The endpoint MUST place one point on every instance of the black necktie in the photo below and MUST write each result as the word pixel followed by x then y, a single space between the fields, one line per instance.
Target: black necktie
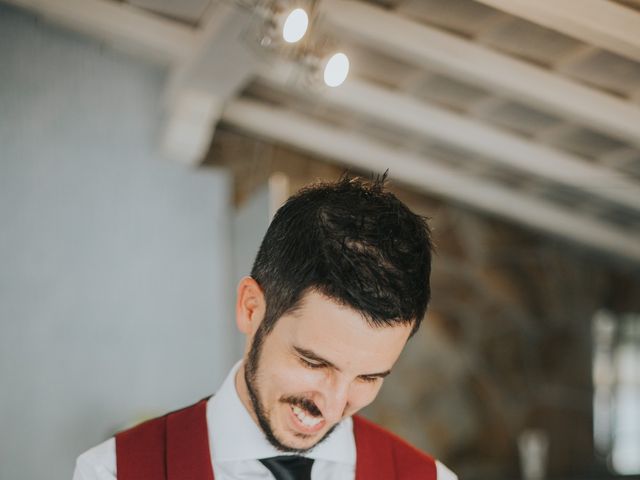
pixel 289 467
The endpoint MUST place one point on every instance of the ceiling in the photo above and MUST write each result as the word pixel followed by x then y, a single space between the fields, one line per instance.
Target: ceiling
pixel 523 109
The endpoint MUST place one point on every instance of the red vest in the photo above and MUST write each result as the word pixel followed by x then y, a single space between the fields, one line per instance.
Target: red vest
pixel 176 447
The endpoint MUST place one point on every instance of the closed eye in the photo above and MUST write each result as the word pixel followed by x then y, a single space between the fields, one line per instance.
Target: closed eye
pixel 313 361
pixel 370 379
pixel 310 364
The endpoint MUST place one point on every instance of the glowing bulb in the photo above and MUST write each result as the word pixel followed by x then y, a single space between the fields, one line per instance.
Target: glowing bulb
pixel 336 70
pixel 295 25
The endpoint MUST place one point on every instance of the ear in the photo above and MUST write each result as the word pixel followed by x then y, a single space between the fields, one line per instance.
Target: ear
pixel 250 306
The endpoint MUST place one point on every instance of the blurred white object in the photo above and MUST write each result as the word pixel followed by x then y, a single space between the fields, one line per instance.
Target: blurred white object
pixel 616 381
pixel 625 453
pixel 533 446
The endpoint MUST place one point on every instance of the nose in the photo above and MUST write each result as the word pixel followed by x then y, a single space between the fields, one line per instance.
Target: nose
pixel 336 399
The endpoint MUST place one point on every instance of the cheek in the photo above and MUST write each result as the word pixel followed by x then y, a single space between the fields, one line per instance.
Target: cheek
pixel 293 379
pixel 362 394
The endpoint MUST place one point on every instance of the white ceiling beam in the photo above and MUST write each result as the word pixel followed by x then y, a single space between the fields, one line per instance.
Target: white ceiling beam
pixel 359 152
pixel 410 114
pixel 437 50
pixel 221 59
pixel 119 25
pixel 218 66
pixel 189 123
pixel 602 23
pixel 186 10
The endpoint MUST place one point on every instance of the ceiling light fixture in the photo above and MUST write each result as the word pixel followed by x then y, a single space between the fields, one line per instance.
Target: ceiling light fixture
pixel 280 25
pixel 295 25
pixel 336 70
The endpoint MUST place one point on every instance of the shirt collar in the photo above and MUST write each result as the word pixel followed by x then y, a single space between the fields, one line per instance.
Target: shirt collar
pixel 234 435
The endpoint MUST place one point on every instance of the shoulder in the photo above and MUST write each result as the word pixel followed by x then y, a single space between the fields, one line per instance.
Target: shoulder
pixel 149 430
pixel 142 446
pixel 98 463
pixel 373 437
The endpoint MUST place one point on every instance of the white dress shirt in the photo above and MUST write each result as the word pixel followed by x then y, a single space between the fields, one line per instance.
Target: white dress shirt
pixel 236 442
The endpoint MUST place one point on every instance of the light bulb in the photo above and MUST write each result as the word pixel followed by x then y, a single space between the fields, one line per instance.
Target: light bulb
pixel 295 25
pixel 336 70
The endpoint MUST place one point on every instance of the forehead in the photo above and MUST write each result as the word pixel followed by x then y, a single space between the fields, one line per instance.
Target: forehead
pixel 340 334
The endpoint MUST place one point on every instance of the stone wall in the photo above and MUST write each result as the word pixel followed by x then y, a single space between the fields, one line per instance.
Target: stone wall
pixel 505 347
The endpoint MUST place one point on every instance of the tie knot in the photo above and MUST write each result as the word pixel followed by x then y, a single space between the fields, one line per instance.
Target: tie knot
pixel 289 467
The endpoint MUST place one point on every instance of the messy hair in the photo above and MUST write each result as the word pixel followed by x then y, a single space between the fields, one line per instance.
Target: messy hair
pixel 353 242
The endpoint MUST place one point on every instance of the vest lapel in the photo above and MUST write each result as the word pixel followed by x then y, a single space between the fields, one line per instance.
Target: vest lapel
pixel 374 459
pixel 188 453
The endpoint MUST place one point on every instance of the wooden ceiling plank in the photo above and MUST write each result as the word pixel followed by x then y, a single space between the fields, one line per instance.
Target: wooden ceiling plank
pixel 356 151
pixel 507 149
pixel 435 49
pixel 597 22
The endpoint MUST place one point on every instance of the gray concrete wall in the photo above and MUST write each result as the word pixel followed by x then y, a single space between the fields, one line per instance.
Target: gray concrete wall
pixel 115 283
pixel 249 224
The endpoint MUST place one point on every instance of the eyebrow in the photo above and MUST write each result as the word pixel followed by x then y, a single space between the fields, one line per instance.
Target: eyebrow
pixel 310 355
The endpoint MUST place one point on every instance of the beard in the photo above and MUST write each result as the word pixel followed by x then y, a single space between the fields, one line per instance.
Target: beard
pixel 251 379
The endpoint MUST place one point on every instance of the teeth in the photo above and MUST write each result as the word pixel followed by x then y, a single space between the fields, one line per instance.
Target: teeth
pixel 306 420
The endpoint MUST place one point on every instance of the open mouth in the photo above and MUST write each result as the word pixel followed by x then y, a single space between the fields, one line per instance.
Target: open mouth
pixel 305 420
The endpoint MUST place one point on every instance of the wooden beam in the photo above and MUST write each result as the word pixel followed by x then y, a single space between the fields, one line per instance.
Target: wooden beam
pixel 602 23
pixel 353 150
pixel 120 25
pixel 437 50
pixel 513 151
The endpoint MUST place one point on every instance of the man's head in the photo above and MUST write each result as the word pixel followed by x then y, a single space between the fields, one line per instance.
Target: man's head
pixel 339 284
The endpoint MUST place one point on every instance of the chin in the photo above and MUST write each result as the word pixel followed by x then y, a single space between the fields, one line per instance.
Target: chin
pixel 299 445
pixel 299 442
pixel 295 442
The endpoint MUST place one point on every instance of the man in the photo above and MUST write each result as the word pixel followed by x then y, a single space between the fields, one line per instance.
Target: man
pixel 340 283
